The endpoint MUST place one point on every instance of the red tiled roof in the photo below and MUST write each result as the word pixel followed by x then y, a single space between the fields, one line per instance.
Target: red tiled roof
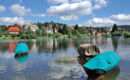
pixel 20 25
pixel 13 29
pixel 71 27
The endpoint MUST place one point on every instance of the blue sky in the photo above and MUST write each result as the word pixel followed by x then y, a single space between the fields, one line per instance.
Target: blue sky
pixel 71 12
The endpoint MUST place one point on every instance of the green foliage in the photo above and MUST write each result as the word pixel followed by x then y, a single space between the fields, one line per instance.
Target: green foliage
pixel 116 33
pixel 13 36
pixel 1 33
pixel 28 36
pixel 115 28
pixel 82 30
pixel 75 32
pixel 54 27
pixel 40 25
pixel 76 27
pixel 46 24
pixel 103 30
pixel 57 35
pixel 126 34
pixel 38 32
pixel 64 29
pixel 3 28
pixel 15 25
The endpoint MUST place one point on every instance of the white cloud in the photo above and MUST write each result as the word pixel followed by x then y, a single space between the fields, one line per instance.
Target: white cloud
pixel 9 20
pixel 120 19
pixel 38 15
pixel 100 22
pixel 2 9
pixel 71 11
pixel 68 18
pixel 19 10
pixel 99 4
pixel 57 1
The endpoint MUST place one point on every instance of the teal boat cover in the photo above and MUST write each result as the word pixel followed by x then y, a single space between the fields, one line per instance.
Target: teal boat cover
pixel 21 48
pixel 104 61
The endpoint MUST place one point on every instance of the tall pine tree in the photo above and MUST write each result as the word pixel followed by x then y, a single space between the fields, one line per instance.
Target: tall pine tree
pixel 115 28
pixel 76 27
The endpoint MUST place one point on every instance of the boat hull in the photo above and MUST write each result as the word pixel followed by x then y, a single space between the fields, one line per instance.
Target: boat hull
pixel 103 62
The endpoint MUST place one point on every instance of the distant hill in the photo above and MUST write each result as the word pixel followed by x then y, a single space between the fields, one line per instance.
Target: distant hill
pixel 125 27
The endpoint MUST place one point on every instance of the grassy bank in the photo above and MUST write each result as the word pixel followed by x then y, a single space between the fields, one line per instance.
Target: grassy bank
pixel 56 35
pixel 8 37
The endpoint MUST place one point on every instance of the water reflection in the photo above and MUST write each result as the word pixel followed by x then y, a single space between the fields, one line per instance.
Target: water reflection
pixel 4 46
pixel 21 57
pixel 12 45
pixel 115 43
pixel 39 63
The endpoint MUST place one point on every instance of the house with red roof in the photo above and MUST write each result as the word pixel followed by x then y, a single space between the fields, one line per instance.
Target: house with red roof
pixel 13 30
pixel 71 27
pixel 100 34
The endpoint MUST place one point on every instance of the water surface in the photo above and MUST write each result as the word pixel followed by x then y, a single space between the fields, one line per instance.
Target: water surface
pixel 40 63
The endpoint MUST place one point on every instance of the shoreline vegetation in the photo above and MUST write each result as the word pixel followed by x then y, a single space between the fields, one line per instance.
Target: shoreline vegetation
pixel 58 30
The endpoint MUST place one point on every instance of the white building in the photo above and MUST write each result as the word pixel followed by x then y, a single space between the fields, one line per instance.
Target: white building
pixel 31 25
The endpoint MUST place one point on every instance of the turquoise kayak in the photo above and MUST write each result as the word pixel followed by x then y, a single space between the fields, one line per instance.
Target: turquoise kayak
pixel 21 48
pixel 105 61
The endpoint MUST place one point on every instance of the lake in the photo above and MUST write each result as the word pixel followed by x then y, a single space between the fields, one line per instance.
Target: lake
pixel 41 63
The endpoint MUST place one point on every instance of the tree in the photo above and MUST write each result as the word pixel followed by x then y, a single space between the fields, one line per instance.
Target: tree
pixel 40 25
pixel 1 33
pixel 38 32
pixel 115 28
pixel 82 30
pixel 54 27
pixel 15 25
pixel 46 24
pixel 64 29
pixel 59 30
pixel 3 28
pixel 76 27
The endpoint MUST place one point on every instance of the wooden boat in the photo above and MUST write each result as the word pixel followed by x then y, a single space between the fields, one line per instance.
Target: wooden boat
pixel 102 63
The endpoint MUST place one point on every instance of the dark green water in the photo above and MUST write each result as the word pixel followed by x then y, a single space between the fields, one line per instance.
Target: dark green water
pixel 40 63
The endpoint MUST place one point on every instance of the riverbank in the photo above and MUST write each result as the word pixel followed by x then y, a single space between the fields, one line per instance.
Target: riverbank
pixel 52 36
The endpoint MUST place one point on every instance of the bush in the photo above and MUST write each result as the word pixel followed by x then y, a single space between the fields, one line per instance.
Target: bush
pixel 126 34
pixel 57 35
pixel 1 33
pixel 117 33
pixel 13 36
